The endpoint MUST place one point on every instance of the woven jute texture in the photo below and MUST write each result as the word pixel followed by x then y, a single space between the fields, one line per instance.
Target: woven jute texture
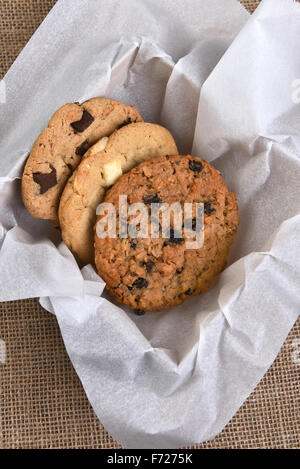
pixel 42 401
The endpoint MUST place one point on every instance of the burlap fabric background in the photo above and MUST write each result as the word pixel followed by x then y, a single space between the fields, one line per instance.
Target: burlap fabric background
pixel 43 404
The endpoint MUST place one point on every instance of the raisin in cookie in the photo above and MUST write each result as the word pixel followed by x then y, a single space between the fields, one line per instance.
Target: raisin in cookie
pixel 103 164
pixel 153 274
pixel 60 147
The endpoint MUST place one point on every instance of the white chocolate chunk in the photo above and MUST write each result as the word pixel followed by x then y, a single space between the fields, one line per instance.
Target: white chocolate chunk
pixel 111 172
pixel 99 146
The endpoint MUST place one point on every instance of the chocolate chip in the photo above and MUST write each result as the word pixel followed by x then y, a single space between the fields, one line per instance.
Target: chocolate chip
pixel 127 122
pixel 178 271
pixel 85 121
pixel 139 312
pixel 188 292
pixel 152 199
pixel 173 234
pixel 45 181
pixel 195 166
pixel 82 149
pixel 133 244
pixel 174 241
pixel 129 287
pixel 140 283
pixel 174 238
pixel 208 210
pixel 149 266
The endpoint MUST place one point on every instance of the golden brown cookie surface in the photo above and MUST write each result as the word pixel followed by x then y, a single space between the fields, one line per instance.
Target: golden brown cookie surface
pixel 61 146
pixel 153 274
pixel 103 164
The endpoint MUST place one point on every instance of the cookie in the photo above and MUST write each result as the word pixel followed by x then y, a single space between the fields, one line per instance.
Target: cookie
pixel 149 274
pixel 61 146
pixel 124 149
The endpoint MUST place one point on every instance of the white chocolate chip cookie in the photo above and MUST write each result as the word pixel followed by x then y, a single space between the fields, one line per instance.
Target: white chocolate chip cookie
pixel 124 149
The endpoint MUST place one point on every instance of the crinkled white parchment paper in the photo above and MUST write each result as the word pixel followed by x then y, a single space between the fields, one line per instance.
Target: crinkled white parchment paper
pixel 172 378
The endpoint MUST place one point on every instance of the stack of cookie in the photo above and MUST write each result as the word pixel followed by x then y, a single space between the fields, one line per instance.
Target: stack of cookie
pixel 100 150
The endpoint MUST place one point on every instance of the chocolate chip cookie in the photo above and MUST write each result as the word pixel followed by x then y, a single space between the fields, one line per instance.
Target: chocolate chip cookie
pixel 61 146
pixel 150 274
pixel 103 164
